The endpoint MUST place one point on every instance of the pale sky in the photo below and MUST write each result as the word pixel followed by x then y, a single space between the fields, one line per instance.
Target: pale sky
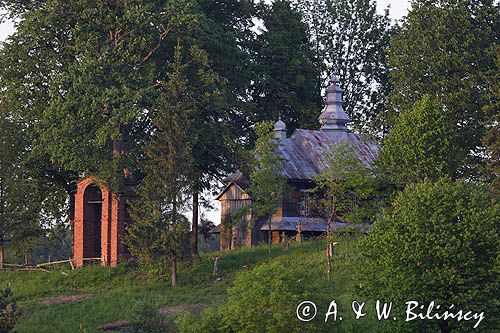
pixel 398 8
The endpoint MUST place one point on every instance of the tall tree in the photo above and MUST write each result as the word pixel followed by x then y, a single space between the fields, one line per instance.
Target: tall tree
pixel 420 145
pixel 92 72
pixel 446 49
pixel 350 37
pixel 88 73
pixel 159 226
pixel 21 195
pixel 269 186
pixel 221 122
pixel 491 139
pixel 79 76
pixel 286 71
pixel 342 189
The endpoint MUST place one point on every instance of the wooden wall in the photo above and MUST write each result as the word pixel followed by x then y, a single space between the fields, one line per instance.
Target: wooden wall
pixel 233 200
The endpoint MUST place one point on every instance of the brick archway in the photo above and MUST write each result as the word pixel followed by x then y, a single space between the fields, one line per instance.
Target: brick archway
pixel 92 222
pixel 99 223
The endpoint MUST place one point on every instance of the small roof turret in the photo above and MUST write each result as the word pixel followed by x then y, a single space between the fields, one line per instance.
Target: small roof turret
pixel 280 129
pixel 333 118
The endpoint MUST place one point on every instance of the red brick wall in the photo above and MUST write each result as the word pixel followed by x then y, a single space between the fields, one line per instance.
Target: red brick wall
pixel 111 224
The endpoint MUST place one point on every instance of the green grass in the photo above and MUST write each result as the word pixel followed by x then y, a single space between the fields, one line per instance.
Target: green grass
pixel 116 290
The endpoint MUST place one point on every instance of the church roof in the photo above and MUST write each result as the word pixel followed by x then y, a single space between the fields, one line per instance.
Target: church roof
pixel 239 179
pixel 309 224
pixel 304 152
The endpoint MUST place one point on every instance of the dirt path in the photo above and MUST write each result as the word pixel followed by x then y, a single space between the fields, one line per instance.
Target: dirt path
pixel 195 308
pixel 65 299
pixel 122 326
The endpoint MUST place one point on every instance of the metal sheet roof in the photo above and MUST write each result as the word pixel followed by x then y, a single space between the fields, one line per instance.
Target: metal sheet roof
pixel 304 152
pixel 310 224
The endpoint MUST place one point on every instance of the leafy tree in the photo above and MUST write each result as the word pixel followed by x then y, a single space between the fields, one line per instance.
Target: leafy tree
pixel 81 78
pixel 269 186
pixel 446 49
pixel 350 37
pixel 91 73
pixel 344 185
pixel 491 139
pixel 20 197
pixel 420 145
pixel 94 74
pixel 286 71
pixel 159 227
pixel 439 243
pixel 8 311
pixel 221 122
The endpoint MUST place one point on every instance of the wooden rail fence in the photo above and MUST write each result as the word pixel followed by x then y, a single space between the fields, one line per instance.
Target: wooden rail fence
pixel 46 265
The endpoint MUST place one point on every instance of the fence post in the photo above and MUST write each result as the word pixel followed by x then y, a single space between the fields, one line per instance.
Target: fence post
pixel 215 265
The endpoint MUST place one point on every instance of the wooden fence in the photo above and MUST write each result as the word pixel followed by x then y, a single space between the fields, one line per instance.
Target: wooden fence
pixel 47 265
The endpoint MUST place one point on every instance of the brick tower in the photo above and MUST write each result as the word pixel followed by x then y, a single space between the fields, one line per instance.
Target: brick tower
pixel 100 220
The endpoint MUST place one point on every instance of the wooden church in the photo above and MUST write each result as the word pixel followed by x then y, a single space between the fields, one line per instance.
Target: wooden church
pixel 304 155
pixel 101 215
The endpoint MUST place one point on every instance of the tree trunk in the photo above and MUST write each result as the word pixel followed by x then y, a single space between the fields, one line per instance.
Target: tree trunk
pixel 71 213
pixel 2 254
pixel 328 254
pixel 299 233
pixel 173 262
pixel 2 223
pixel 444 327
pixel 270 234
pixel 194 227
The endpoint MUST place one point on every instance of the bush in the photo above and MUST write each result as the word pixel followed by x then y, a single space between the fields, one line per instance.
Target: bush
pixel 8 311
pixel 420 145
pixel 440 243
pixel 261 300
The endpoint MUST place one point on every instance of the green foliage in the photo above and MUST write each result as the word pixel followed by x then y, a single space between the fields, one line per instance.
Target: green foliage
pixel 26 203
pixel 347 189
pixel 420 145
pixel 159 228
pixel 94 72
pixel 89 74
pixel 8 311
pixel 263 298
pixel 491 139
pixel 272 291
pixel 116 291
pixel 446 49
pixel 440 242
pixel 350 37
pixel 268 184
pixel 287 73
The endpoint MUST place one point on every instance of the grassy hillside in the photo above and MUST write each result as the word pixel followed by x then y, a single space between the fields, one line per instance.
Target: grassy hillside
pixel 112 294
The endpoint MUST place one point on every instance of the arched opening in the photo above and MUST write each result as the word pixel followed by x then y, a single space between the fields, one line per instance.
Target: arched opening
pixel 92 215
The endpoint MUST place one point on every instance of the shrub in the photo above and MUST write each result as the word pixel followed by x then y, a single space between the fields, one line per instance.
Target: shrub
pixel 8 311
pixel 263 299
pixel 440 243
